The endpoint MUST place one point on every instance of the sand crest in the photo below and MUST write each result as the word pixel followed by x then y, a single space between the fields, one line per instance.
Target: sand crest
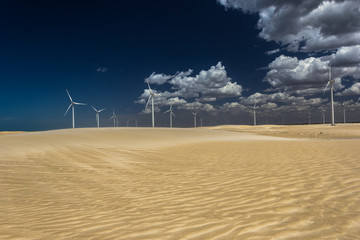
pixel 177 184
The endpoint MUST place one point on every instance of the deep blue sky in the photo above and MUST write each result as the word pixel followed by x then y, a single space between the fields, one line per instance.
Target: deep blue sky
pixel 49 46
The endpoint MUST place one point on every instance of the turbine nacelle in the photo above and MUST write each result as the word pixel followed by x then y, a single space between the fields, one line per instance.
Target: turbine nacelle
pixel 97 111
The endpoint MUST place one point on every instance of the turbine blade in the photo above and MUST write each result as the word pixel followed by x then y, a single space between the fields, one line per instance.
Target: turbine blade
pixel 167 111
pixel 101 110
pixel 326 87
pixel 148 101
pixel 76 103
pixel 93 108
pixel 67 109
pixel 149 86
pixel 69 95
pixel 173 114
pixel 358 99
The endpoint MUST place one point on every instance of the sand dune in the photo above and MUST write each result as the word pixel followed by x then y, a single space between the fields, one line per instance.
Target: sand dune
pixel 177 184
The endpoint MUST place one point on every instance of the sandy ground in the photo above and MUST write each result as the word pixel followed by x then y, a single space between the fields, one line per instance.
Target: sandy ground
pixel 181 183
pixel 318 131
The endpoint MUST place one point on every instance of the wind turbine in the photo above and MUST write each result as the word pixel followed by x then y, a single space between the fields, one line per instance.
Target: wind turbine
pixel 195 115
pixel 343 104
pixel 201 121
pixel 331 83
pixel 136 122
pixel 97 115
pixel 323 114
pixel 171 114
pixel 254 109
pixel 152 94
pixel 72 104
pixel 309 117
pixel 127 123
pixel 114 117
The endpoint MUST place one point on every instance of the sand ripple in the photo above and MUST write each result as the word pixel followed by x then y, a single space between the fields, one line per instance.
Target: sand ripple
pixel 214 190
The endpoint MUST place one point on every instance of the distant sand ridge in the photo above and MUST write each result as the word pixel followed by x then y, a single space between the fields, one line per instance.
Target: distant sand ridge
pixel 135 183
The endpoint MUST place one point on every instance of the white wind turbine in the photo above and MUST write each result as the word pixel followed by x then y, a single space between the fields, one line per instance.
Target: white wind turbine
pixel 114 117
pixel 151 97
pixel 309 117
pixel 331 83
pixel 72 104
pixel 201 121
pixel 136 122
pixel 343 104
pixel 171 114
pixel 127 123
pixel 254 109
pixel 97 115
pixel 323 114
pixel 195 115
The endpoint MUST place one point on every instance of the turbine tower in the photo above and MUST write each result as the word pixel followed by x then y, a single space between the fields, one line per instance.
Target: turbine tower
pixel 97 115
pixel 201 121
pixel 114 117
pixel 343 104
pixel 136 122
pixel 151 97
pixel 127 123
pixel 309 117
pixel 171 114
pixel 254 109
pixel 195 115
pixel 72 104
pixel 331 83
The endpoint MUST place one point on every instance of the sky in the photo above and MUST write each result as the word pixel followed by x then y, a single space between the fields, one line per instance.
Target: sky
pixel 214 57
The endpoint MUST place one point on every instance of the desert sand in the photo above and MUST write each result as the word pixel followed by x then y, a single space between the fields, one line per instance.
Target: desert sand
pixel 225 182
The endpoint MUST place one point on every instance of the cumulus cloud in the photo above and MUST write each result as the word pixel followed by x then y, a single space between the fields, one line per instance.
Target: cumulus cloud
pixel 281 103
pixel 353 90
pixel 209 83
pixel 347 60
pixel 327 30
pixel 233 107
pixel 307 25
pixel 193 92
pixel 197 107
pixel 279 97
pixel 308 76
pixel 158 78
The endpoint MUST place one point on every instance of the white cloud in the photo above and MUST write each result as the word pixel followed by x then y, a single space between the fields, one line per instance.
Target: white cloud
pixel 306 77
pixel 272 51
pixel 197 107
pixel 192 92
pixel 158 79
pixel 353 90
pixel 209 83
pixel 233 107
pixel 307 25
